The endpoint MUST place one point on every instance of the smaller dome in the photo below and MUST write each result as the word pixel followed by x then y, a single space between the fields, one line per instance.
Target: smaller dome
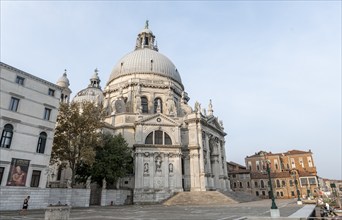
pixel 63 81
pixel 92 93
pixel 89 94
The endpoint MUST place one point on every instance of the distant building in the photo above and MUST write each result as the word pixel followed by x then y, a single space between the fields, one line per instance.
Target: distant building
pixel 330 187
pixel 239 176
pixel 289 171
pixel 29 107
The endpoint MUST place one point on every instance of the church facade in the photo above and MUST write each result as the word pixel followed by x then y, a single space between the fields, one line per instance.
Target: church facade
pixel 176 147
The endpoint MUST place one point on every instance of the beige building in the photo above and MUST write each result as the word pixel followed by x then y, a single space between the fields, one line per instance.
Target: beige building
pixel 28 112
pixel 289 171
pixel 239 176
pixel 176 147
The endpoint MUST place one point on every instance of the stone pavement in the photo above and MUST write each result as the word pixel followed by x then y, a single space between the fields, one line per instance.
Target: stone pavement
pixel 155 212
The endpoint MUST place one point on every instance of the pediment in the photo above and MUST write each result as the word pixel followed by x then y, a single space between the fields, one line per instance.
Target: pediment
pixel 213 121
pixel 158 119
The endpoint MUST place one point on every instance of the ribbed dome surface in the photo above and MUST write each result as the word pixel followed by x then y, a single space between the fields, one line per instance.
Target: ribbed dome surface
pixel 145 61
pixel 89 94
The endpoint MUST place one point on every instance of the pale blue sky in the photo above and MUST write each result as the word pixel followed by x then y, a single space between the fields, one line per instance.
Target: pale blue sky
pixel 272 68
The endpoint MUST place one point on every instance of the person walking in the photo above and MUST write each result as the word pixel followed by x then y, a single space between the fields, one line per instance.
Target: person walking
pixel 25 205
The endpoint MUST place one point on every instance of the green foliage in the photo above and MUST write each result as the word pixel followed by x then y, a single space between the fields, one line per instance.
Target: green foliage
pixel 113 160
pixel 77 134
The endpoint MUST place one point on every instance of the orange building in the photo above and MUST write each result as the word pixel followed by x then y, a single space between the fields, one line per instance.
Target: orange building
pixel 293 173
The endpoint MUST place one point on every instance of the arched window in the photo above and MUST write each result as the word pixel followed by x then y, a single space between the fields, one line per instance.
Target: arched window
pixel 167 139
pixel 278 183
pixel 157 102
pixel 41 142
pixel 262 184
pixel 144 104
pixel 158 137
pixel 149 139
pixel 6 137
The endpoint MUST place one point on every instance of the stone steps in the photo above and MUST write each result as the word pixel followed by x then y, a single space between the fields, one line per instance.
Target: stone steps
pixel 200 198
pixel 241 196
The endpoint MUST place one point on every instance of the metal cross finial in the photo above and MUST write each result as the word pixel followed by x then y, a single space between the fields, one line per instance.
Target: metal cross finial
pixel 146 24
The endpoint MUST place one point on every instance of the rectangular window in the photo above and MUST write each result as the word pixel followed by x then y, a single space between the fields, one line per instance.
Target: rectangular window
pixel 47 113
pixel 248 186
pixel 292 193
pixel 51 92
pixel 312 180
pixel 257 165
pixel 14 104
pixel 158 137
pixel 275 161
pixel 309 161
pixel 303 181
pixel 249 165
pixel 1 173
pixel 301 162
pixel 293 163
pixel 35 178
pixel 20 80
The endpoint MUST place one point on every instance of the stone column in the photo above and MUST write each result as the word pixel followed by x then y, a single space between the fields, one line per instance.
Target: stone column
pixel 178 172
pixel 203 182
pixel 194 170
pixel 166 171
pixel 209 169
pixel 139 170
pixel 221 176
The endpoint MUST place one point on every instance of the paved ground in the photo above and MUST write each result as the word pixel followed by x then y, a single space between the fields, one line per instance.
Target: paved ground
pixel 155 212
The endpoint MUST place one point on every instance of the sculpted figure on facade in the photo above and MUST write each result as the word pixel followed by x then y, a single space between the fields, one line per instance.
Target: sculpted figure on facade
pixel 170 168
pixel 138 107
pixel 146 168
pixel 170 104
pixel 158 161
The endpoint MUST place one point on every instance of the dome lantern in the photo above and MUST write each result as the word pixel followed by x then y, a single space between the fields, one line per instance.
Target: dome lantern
pixel 146 39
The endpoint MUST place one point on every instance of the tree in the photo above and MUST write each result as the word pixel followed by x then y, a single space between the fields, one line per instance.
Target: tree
pixel 113 160
pixel 77 135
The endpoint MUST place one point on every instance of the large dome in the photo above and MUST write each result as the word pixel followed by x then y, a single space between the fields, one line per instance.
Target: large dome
pixel 145 61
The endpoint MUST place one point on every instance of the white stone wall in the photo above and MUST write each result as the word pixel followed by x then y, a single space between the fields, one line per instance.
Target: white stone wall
pixel 117 197
pixel 11 198
pixel 73 197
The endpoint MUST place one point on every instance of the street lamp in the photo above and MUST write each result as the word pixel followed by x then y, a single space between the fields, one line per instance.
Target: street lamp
pixel 274 209
pixel 268 169
pixel 293 174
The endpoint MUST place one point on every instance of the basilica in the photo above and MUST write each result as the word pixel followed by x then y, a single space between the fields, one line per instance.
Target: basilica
pixel 176 147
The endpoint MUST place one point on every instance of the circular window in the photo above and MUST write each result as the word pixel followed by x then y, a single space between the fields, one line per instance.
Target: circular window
pixel 158 119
